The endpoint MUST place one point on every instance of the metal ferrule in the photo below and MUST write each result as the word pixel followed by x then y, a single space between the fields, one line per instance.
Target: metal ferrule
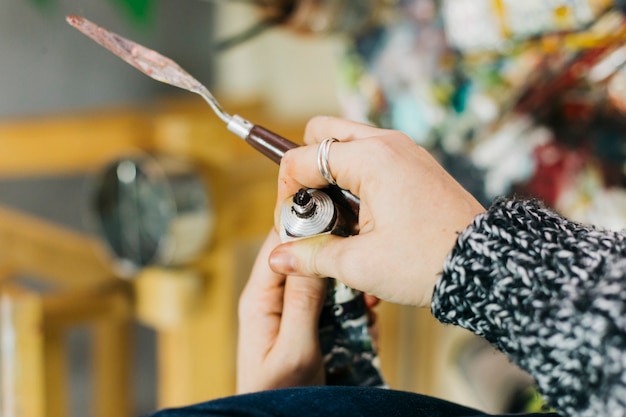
pixel 239 126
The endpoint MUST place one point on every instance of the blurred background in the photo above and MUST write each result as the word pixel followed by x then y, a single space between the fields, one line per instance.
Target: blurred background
pixel 129 216
pixel 49 68
pixel 55 83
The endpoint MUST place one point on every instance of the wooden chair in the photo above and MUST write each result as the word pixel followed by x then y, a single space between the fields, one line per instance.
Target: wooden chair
pixel 34 324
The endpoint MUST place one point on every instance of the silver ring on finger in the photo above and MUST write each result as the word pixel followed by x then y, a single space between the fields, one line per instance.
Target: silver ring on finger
pixel 322 159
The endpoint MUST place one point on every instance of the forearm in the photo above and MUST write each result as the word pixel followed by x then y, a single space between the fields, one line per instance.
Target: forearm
pixel 547 292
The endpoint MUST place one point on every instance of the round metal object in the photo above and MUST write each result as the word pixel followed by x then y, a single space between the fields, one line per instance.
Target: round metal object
pixel 151 211
pixel 320 217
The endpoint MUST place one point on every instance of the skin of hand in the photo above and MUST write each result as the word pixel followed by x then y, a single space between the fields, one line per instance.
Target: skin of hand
pixel 278 342
pixel 410 214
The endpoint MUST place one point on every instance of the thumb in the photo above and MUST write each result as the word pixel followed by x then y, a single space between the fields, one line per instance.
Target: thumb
pixel 317 256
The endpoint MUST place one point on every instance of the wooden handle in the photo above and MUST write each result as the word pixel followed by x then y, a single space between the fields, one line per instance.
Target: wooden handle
pixel 269 143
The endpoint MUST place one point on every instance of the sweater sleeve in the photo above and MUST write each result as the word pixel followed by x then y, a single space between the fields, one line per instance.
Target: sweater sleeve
pixel 549 293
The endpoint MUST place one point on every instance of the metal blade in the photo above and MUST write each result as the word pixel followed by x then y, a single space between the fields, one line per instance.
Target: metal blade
pixel 147 61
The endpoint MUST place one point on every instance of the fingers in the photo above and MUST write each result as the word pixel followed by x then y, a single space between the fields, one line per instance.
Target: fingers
pixel 371 301
pixel 261 277
pixel 278 338
pixel 359 148
pixel 302 305
pixel 299 166
pixel 298 169
pixel 262 298
pixel 321 127
pixel 320 256
pixel 346 161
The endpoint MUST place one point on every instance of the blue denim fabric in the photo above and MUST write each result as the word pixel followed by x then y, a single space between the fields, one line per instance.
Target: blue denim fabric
pixel 327 401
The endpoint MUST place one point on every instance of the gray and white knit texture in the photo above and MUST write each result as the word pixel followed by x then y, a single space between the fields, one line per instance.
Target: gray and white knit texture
pixel 549 293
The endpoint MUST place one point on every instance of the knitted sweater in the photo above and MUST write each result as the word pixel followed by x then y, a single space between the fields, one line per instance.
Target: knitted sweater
pixel 549 293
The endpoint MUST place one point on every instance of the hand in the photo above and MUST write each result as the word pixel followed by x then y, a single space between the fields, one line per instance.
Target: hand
pixel 278 328
pixel 411 212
